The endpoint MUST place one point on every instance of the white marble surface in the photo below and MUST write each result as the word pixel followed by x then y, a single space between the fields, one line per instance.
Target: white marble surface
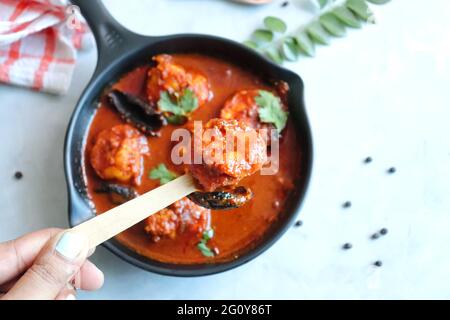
pixel 382 91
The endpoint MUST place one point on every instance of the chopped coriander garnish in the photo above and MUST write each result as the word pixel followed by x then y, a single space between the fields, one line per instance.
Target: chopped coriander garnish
pixel 162 174
pixel 208 235
pixel 205 250
pixel 166 104
pixel 271 110
pixel 178 107
pixel 176 119
pixel 203 244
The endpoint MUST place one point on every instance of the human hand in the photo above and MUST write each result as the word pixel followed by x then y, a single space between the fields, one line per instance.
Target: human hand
pixel 47 265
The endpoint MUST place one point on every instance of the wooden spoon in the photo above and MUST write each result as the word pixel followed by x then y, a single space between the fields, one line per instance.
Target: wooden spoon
pixel 105 226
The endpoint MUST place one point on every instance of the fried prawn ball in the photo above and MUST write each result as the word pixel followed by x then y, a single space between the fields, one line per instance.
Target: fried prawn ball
pixel 182 216
pixel 243 107
pixel 118 154
pixel 230 151
pixel 173 78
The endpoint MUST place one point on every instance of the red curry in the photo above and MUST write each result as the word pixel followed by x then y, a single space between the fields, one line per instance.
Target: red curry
pixel 217 84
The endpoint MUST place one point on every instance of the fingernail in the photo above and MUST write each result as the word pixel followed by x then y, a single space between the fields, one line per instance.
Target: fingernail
pixel 71 245
pixel 71 297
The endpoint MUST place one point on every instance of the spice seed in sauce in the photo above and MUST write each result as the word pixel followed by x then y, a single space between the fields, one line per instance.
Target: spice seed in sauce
pixel 392 170
pixel 368 160
pixel 347 246
pixel 378 264
pixel 299 223
pixel 347 205
pixel 384 231
pixel 18 175
pixel 375 236
pixel 285 4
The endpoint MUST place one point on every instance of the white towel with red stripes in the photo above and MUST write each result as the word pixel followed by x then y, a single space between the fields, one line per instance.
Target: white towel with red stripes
pixel 39 40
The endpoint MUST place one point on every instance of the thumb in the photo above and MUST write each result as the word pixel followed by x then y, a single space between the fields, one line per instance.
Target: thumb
pixel 56 265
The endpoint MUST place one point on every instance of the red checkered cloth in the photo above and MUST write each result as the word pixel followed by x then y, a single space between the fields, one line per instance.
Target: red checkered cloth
pixel 38 43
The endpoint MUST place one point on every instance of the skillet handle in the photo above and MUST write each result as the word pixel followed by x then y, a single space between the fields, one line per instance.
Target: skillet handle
pixel 111 37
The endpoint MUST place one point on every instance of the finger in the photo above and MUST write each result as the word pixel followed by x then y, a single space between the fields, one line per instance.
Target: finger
pixel 90 278
pixel 7 286
pixel 69 293
pixel 91 252
pixel 54 267
pixel 17 256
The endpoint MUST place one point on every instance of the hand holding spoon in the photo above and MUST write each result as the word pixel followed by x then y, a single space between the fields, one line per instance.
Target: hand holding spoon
pixel 105 226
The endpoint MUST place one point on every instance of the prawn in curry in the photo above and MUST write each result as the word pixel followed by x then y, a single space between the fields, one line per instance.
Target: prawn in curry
pixel 123 157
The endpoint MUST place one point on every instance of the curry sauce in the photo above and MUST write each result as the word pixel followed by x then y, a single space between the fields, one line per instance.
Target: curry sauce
pixel 235 230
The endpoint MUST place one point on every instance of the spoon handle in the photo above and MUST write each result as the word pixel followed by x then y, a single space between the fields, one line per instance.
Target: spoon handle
pixel 106 225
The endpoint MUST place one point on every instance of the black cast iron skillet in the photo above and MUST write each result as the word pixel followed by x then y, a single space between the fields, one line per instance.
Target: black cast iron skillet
pixel 119 51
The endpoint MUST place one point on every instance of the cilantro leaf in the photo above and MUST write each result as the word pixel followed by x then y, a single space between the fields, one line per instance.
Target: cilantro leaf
pixel 203 244
pixel 188 101
pixel 208 235
pixel 176 120
pixel 162 174
pixel 166 104
pixel 205 250
pixel 178 106
pixel 271 110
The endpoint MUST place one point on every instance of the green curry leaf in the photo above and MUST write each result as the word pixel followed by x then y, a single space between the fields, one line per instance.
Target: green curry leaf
pixel 275 24
pixel 334 18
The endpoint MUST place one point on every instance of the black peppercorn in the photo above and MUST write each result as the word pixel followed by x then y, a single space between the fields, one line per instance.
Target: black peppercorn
pixel 375 236
pixel 299 223
pixel 347 204
pixel 347 246
pixel 18 175
pixel 285 4
pixel 368 160
pixel 392 170
pixel 378 263
pixel 384 231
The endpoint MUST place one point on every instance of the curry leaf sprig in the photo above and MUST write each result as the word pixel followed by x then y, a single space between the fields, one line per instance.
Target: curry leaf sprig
pixel 273 42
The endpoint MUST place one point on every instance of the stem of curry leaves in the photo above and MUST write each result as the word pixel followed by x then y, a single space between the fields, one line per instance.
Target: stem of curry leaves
pixel 335 17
